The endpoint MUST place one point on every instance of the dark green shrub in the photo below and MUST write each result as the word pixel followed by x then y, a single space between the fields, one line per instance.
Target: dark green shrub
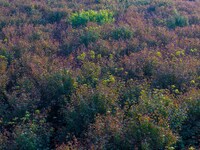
pixel 26 9
pixel 149 68
pixel 26 141
pixel 66 49
pixel 146 135
pixel 122 33
pixel 151 8
pixel 177 21
pixel 190 131
pixel 89 36
pixel 86 103
pixel 57 89
pixel 165 80
pixel 148 125
pixel 2 24
pixel 55 16
pixel 33 133
pixel 130 96
pixel 154 121
pixel 83 113
pixel 56 95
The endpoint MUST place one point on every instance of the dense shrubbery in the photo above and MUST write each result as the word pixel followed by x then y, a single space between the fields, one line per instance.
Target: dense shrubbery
pixel 177 21
pixel 145 126
pixel 83 17
pixel 118 74
pixel 89 36
pixel 121 33
pixel 190 130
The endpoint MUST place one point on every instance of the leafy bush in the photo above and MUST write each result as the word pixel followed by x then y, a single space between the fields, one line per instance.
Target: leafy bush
pixel 26 141
pixel 57 89
pixel 191 127
pixel 177 21
pixel 121 33
pixel 5 54
pixel 35 134
pixel 154 120
pixel 130 95
pixel 90 73
pixel 52 17
pixel 150 124
pixel 83 113
pixel 147 135
pixel 85 104
pixel 165 80
pixel 117 54
pixel 82 18
pixel 89 36
pixel 2 24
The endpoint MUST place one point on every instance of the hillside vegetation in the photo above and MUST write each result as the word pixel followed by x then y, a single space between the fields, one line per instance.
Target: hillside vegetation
pixel 99 74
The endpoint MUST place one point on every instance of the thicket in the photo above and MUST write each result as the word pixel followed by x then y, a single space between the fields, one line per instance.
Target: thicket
pixel 83 17
pixel 118 74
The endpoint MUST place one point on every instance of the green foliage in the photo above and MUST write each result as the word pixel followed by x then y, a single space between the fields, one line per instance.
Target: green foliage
pixel 6 55
pixel 147 125
pixel 141 2
pixel 177 21
pixel 149 135
pixel 89 36
pixel 157 4
pixel 57 89
pixel 121 33
pixel 100 74
pixel 81 57
pixel 36 137
pixel 2 24
pixel 165 80
pixel 130 96
pixel 148 68
pixel 52 17
pixel 26 141
pixel 111 79
pixel 191 128
pixel 90 74
pixel 162 109
pixel 66 49
pixel 83 113
pixel 92 54
pixel 82 18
